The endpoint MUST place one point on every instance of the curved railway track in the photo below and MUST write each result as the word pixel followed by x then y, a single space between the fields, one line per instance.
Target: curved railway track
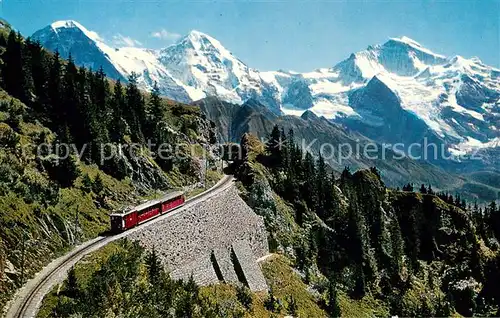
pixel 29 298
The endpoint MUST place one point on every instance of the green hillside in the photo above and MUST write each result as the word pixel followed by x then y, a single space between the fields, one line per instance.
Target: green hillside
pixel 378 251
pixel 73 148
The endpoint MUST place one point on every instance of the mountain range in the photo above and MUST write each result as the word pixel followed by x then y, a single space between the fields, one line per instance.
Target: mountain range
pixel 399 91
pixel 396 92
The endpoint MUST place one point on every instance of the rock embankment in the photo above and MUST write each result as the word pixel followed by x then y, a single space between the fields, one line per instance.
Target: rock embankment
pixel 199 241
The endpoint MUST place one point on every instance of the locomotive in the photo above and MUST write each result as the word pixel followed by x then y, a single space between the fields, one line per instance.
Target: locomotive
pixel 146 211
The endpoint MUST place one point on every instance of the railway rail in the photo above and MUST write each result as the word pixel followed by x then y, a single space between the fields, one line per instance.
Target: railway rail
pixel 28 299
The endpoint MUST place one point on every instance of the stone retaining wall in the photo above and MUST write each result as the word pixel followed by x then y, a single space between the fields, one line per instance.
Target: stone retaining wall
pixel 186 241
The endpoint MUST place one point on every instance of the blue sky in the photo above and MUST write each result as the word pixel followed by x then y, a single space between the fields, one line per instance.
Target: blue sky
pixel 271 35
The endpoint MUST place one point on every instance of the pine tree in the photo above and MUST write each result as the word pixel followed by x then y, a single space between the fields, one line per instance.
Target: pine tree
pixel 98 185
pixel 271 303
pixel 86 183
pixel 97 111
pixel 423 189
pixel 408 187
pixel 69 109
pixel 191 287
pixel 64 170
pixel 101 120
pixel 274 148
pixel 40 74
pixel 26 74
pixel 397 249
pixel 359 283
pixel 310 187
pixel 135 114
pixel 322 187
pixel 345 178
pixel 376 172
pixel 333 303
pixel 458 200
pixel 155 110
pixel 291 160
pixel 429 190
pixel 54 106
pixel 72 289
pixel 118 106
pixel 244 296
pixel 84 128
pixel 12 67
pixel 413 241
pixel 153 265
pixel 360 252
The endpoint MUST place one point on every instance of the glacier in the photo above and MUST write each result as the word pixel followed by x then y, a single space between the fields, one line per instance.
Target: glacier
pixel 395 91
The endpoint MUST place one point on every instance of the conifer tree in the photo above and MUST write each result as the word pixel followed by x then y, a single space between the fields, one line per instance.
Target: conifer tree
pixel 70 102
pixel 98 185
pixel 12 67
pixel 359 290
pixel 285 156
pixel 40 74
pixel 135 112
pixel 423 189
pixel 72 288
pixel 100 94
pixel 273 148
pixel 118 124
pixel 345 178
pixel 321 184
pixel 153 265
pixel 54 107
pixel 244 296
pixel 333 303
pixel 26 75
pixel 86 183
pixel 271 303
pixel 85 116
pixel 310 190
pixel 155 109
pixel 397 249
pixel 429 190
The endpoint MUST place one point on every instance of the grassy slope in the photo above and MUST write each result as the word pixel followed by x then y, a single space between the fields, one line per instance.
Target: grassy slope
pixel 49 229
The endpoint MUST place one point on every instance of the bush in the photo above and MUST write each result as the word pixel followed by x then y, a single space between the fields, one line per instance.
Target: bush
pixel 244 297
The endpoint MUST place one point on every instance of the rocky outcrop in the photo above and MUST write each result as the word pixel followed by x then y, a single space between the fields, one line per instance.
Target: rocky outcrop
pixel 188 242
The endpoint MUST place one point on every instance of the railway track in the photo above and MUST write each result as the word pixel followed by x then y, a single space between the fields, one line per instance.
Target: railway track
pixel 28 299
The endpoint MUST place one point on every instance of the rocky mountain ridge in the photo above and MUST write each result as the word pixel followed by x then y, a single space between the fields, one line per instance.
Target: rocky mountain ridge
pixel 452 100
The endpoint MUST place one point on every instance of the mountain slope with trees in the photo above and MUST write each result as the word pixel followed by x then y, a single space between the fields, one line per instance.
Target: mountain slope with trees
pixel 73 147
pixel 233 121
pixel 407 253
pixel 349 246
pixel 124 280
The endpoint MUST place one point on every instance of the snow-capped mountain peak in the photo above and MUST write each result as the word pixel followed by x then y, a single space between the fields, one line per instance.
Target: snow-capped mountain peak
pixel 399 85
pixel 415 45
pixel 202 41
pixel 70 24
pixel 406 39
pixel 401 56
pixel 206 67
pixel 199 44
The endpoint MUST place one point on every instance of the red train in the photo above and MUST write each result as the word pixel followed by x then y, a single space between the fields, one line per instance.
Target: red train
pixel 142 213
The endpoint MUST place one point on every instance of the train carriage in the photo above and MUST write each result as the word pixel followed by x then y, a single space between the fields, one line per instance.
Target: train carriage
pixel 146 211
